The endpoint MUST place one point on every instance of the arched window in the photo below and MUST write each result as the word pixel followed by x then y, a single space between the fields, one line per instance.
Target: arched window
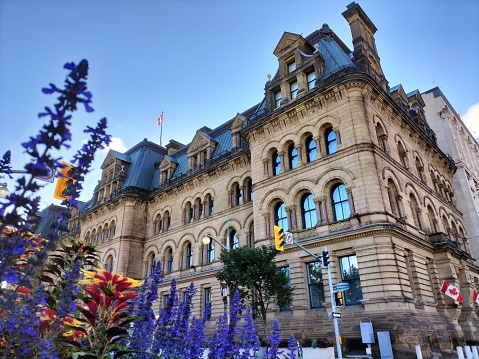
pixel 330 141
pixel 403 155
pixel 167 220
pixel 109 264
pixel 189 256
pixel 393 198
pixel 340 203
pixel 169 261
pixel 249 190
pixel 233 239
pixel 238 193
pixel 200 208
pixel 310 145
pixel 113 228
pixel 432 220
pixel 420 169
pixel 209 205
pixel 152 264
pixel 280 216
pixel 276 161
pixel 382 137
pixel 210 252
pixel 308 211
pixel 190 212
pixel 292 157
pixel 415 211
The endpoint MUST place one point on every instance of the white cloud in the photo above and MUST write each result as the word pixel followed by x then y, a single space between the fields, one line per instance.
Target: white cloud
pixel 471 119
pixel 116 144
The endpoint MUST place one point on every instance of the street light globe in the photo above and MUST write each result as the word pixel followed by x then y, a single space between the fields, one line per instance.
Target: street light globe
pixel 4 192
pixel 206 239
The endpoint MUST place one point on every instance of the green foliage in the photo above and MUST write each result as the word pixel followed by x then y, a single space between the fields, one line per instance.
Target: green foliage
pixel 253 272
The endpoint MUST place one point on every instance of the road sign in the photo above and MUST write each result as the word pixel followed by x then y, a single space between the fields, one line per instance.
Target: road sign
pixel 288 237
pixel 336 315
pixel 340 287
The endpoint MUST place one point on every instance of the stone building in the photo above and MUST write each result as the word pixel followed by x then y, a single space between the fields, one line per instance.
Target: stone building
pixel 456 140
pixel 333 155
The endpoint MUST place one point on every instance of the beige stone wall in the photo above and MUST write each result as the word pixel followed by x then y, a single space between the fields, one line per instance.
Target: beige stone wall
pixel 400 265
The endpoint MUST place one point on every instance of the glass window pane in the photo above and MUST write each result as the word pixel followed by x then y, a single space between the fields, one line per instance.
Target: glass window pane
pixel 308 211
pixel 315 284
pixel 280 216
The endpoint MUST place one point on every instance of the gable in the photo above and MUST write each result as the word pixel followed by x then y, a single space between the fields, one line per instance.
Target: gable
pixel 200 142
pixel 287 42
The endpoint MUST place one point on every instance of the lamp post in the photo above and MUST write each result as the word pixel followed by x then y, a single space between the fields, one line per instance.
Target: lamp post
pixel 207 238
pixel 4 191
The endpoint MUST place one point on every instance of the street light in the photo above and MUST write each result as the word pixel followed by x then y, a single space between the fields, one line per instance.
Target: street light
pixel 4 192
pixel 207 240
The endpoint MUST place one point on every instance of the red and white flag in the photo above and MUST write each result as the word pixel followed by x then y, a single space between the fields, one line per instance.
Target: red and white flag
pixel 451 291
pixel 475 297
pixel 160 119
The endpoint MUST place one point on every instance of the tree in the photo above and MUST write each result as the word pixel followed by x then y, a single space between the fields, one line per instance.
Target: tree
pixel 253 272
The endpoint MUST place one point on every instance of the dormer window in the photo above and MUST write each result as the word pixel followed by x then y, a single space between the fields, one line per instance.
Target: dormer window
pixel 311 78
pixel 277 99
pixel 293 89
pixel 291 66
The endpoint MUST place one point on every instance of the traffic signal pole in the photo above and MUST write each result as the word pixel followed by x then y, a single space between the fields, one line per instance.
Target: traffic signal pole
pixel 331 290
pixel 333 308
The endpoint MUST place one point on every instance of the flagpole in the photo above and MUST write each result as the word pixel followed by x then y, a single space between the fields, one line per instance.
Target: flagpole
pixel 161 126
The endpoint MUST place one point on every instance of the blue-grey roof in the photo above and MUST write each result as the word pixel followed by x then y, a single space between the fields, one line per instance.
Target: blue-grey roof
pixel 142 168
pixel 335 58
pixel 395 88
pixel 412 93
pixel 121 156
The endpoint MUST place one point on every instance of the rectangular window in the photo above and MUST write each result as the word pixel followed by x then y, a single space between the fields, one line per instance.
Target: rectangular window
pixel 287 273
pixel 311 78
pixel 350 274
pixel 210 253
pixel 277 99
pixel 291 67
pixel 293 89
pixel 207 301
pixel 315 284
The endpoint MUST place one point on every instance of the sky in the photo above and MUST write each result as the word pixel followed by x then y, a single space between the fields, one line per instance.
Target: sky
pixel 202 62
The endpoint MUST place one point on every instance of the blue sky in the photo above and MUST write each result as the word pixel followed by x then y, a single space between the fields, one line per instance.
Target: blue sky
pixel 201 62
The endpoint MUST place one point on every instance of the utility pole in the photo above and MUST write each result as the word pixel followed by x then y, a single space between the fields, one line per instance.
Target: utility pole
pixel 325 261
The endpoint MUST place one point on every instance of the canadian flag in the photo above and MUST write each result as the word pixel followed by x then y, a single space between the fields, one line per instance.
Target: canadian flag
pixel 475 297
pixel 451 291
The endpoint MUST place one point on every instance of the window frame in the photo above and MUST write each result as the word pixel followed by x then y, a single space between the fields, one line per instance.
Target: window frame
pixel 311 212
pixel 210 252
pixel 281 221
pixel 347 294
pixel 293 157
pixel 315 297
pixel 169 261
pixel 342 203
pixel 277 99
pixel 188 256
pixel 331 143
pixel 310 157
pixel 276 163
pixel 293 90
pixel 311 82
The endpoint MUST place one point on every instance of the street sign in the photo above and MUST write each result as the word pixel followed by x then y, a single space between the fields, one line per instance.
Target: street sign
pixel 340 287
pixel 336 315
pixel 288 237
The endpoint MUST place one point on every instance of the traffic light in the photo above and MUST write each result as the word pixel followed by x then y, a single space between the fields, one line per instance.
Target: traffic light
pixel 279 238
pixel 338 297
pixel 325 258
pixel 65 181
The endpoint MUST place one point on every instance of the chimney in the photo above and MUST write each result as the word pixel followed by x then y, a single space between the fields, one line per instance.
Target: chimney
pixel 365 51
